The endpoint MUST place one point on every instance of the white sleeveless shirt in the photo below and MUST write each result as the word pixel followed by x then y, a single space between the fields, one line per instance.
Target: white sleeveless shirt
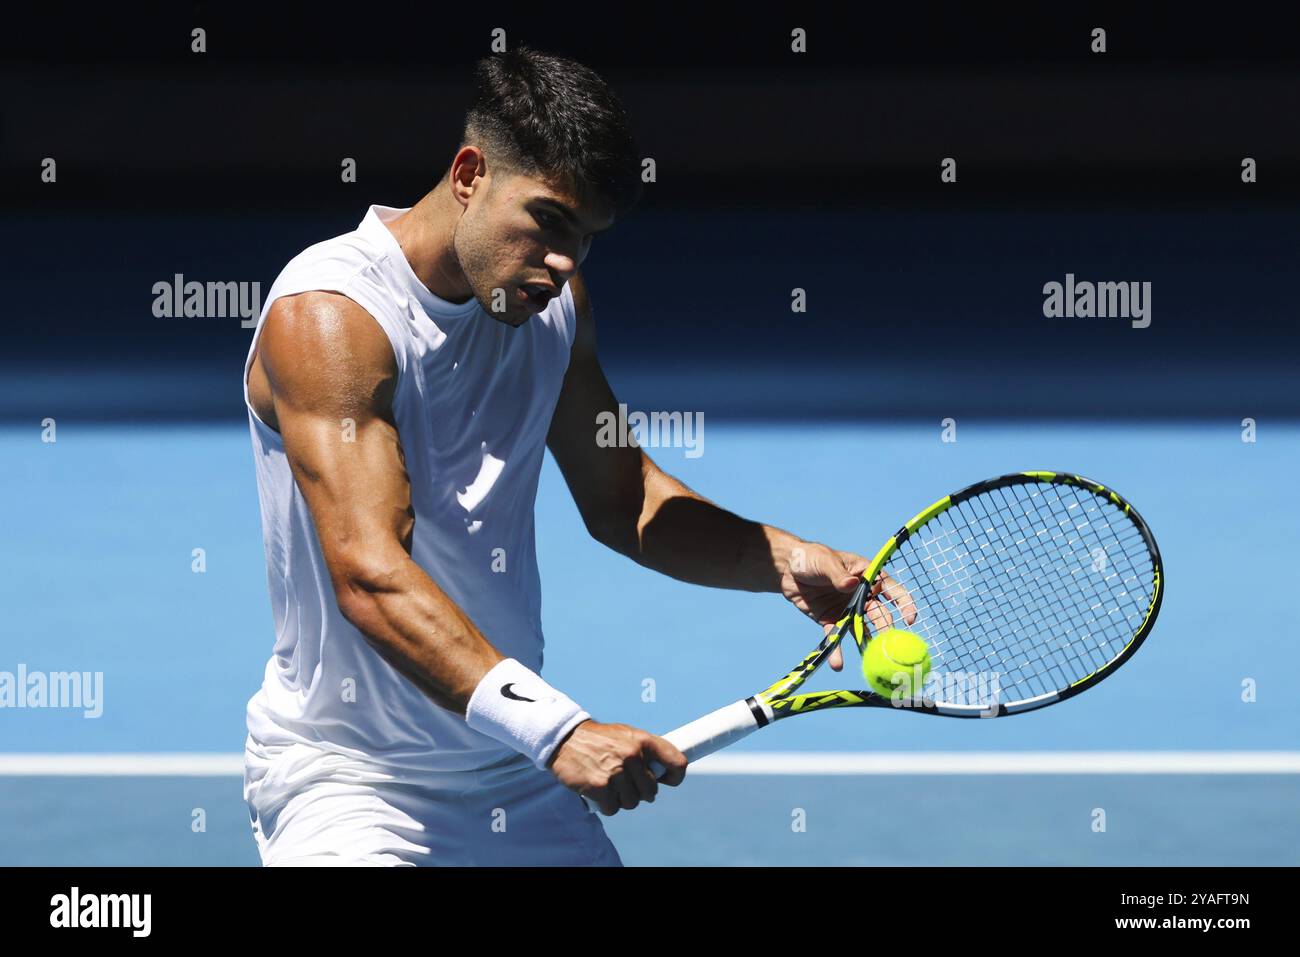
pixel 473 404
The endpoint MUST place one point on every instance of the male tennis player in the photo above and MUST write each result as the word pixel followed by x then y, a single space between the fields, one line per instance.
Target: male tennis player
pixel 402 384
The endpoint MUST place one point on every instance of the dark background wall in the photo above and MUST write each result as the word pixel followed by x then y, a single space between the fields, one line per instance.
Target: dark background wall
pixel 818 171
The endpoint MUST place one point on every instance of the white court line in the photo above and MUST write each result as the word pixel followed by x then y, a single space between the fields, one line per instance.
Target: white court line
pixel 759 762
pixel 1003 762
pixel 121 765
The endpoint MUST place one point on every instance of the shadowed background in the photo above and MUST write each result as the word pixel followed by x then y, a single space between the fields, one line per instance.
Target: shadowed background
pixel 775 171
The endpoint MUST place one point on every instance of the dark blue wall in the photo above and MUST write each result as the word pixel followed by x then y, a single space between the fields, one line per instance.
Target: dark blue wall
pixel 776 172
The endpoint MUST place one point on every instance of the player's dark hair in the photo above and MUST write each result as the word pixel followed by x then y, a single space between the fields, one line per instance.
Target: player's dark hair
pixel 556 119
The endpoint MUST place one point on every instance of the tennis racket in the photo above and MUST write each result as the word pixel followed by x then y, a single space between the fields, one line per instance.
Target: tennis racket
pixel 1028 589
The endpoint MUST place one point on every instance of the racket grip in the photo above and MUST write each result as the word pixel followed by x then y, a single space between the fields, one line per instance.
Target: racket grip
pixel 703 736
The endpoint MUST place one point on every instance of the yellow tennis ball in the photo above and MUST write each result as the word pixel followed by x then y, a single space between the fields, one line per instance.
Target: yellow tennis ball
pixel 896 660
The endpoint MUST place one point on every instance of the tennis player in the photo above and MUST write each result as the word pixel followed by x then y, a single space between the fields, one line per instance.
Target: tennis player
pixel 402 385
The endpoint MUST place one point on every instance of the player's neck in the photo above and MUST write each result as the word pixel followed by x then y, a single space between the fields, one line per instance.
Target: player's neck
pixel 425 234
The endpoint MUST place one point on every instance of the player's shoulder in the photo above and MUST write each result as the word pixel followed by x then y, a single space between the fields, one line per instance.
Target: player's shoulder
pixel 321 317
pixel 320 335
pixel 581 299
pixel 584 338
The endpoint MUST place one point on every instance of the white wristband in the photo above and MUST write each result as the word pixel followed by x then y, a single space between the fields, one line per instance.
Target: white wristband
pixel 514 705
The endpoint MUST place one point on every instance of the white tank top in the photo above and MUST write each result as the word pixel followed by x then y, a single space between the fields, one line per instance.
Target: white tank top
pixel 473 404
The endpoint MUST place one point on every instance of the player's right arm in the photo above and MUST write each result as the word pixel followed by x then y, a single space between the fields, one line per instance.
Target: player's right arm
pixel 324 376
pixel 330 372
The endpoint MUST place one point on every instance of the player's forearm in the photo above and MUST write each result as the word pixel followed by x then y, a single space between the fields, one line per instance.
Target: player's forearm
pixel 685 536
pixel 417 628
pixel 426 636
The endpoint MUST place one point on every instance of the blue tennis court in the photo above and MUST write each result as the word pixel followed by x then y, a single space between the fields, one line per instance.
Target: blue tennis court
pixel 1191 755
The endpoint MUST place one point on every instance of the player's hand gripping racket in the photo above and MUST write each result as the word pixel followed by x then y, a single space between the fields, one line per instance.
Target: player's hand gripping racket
pixel 1028 589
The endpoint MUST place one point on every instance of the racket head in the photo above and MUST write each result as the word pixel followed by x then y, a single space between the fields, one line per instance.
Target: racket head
pixel 1029 588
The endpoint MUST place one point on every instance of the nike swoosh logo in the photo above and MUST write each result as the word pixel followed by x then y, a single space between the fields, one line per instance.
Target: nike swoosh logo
pixel 505 690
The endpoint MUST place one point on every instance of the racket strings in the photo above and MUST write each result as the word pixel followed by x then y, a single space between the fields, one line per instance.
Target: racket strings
pixel 1038 664
pixel 1023 590
pixel 1035 590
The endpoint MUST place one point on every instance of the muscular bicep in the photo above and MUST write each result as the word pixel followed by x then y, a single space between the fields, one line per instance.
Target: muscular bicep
pixel 332 373
pixel 607 479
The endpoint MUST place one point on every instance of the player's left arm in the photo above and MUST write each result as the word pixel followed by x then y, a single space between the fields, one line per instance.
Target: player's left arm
pixel 634 507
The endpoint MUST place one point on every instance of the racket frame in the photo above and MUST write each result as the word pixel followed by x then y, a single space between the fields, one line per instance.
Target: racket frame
pixel 782 702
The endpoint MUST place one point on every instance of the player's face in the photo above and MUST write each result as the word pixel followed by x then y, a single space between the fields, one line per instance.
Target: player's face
pixel 521 239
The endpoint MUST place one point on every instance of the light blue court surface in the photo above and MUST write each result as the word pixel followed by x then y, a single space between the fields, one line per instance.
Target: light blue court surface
pixel 96 576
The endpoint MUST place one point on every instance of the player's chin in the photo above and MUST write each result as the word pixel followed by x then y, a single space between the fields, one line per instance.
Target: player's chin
pixel 520 312
pixel 515 317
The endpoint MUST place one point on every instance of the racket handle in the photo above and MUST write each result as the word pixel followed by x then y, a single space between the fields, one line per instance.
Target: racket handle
pixel 703 736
